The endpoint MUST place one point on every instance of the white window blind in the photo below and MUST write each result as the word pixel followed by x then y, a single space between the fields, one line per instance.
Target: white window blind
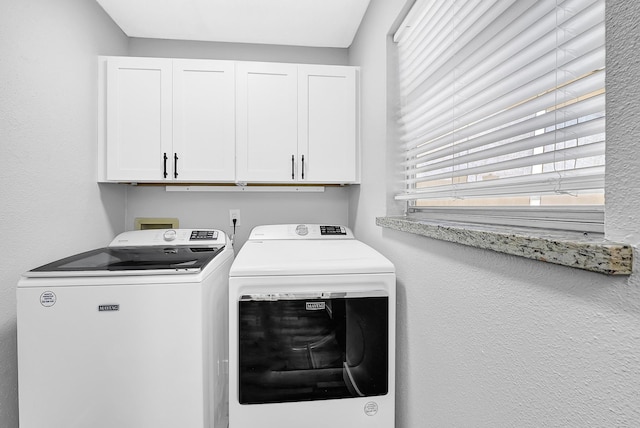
pixel 502 101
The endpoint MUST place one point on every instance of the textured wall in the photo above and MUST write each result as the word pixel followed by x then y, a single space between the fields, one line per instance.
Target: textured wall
pixel 50 203
pixel 623 125
pixel 491 340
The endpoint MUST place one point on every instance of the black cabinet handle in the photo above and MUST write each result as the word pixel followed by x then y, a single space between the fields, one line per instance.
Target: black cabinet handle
pixel 293 166
pixel 175 165
pixel 303 167
pixel 165 165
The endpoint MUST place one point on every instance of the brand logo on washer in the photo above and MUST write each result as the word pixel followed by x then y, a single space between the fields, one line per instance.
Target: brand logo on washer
pixel 108 308
pixel 315 306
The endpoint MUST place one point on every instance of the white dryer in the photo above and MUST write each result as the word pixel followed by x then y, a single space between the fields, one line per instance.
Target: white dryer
pixel 133 335
pixel 312 331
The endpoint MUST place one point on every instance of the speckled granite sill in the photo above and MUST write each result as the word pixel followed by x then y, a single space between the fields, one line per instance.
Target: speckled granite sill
pixel 589 252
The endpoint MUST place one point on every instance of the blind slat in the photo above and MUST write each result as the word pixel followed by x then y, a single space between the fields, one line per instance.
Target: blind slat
pixel 577 110
pixel 467 24
pixel 584 179
pixel 482 117
pixel 496 45
pixel 560 155
pixel 510 90
pixel 518 84
pixel 579 130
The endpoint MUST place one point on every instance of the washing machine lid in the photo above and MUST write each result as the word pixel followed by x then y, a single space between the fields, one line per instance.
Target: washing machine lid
pixel 130 261
pixel 142 252
pixel 308 257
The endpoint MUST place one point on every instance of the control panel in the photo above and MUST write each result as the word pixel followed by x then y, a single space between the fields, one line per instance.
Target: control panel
pixel 300 231
pixel 201 237
pixel 333 230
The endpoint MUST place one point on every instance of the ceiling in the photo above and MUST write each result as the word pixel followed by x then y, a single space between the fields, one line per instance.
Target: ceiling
pixel 318 23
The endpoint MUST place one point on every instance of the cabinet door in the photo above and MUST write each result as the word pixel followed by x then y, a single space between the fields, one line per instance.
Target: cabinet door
pixel 138 118
pixel 328 134
pixel 267 121
pixel 203 120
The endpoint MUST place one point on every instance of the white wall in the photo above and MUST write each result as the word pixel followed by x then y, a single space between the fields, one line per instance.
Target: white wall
pixel 211 209
pixel 491 340
pixel 236 51
pixel 202 209
pixel 50 204
pixel 623 109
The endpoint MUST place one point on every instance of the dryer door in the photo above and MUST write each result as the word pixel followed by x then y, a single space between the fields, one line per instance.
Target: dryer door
pixel 312 346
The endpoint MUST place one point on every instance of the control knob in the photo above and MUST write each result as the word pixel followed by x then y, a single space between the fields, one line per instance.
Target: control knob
pixel 170 235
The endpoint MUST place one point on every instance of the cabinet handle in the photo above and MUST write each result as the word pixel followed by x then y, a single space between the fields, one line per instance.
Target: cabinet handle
pixel 165 165
pixel 303 167
pixel 175 165
pixel 293 166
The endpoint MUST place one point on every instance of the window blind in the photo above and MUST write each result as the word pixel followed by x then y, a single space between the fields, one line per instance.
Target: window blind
pixel 501 99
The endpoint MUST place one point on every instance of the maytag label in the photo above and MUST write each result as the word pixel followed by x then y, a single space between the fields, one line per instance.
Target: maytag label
pixel 108 308
pixel 315 306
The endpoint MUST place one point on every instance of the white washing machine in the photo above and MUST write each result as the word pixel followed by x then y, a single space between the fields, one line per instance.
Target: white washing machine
pixel 133 335
pixel 311 331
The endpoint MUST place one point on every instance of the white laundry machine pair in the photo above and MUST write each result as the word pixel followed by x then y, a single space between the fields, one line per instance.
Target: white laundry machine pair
pixel 133 335
pixel 311 331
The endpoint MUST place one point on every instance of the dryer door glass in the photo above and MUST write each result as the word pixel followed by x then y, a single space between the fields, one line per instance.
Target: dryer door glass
pixel 297 348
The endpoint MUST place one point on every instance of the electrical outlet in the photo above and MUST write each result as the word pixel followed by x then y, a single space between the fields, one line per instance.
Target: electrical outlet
pixel 234 214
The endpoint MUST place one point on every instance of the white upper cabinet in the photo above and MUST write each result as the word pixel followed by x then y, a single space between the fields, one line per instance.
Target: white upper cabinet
pixel 266 122
pixel 170 120
pixel 203 120
pixel 189 121
pixel 139 123
pixel 327 132
pixel 296 123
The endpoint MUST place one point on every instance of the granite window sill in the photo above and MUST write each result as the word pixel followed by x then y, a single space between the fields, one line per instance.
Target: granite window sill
pixel 582 251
